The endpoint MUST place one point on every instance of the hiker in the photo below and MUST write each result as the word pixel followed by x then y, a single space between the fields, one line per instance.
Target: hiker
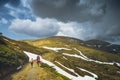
pixel 31 62
pixel 38 60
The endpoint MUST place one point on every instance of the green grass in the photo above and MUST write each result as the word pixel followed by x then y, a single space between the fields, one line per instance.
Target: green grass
pixel 10 57
pixel 104 72
pixel 51 69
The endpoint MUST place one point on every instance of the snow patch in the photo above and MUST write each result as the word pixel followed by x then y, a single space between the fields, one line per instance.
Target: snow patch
pixel 65 57
pixel 114 49
pixel 59 70
pixel 78 76
pixel 118 64
pixel 55 48
pixel 99 46
pixel 6 39
pixel 94 75
pixel 66 67
pixel 118 72
pixel 88 45
pixel 18 68
pixel 30 55
pixel 82 56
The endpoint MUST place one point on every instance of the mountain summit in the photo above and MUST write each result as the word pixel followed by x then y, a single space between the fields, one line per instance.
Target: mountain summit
pixel 62 58
pixel 80 56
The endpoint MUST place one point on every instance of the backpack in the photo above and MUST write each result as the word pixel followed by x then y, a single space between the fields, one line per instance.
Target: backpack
pixel 38 58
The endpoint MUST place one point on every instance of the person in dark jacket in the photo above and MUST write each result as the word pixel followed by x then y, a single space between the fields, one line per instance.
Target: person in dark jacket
pixel 38 60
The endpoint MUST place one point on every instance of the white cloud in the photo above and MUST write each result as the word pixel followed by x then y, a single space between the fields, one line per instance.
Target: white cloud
pixel 38 28
pixel 51 27
pixel 68 29
pixel 25 3
pixel 77 30
pixel 47 27
pixel 4 21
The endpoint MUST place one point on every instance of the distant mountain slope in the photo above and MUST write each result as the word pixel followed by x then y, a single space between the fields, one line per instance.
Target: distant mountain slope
pixel 103 45
pixel 77 58
pixel 12 57
pixel 97 44
pixel 55 40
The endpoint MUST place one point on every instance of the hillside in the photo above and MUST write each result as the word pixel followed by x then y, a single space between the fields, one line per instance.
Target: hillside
pixel 79 60
pixel 96 44
pixel 54 41
pixel 12 57
pixel 103 45
pixel 62 58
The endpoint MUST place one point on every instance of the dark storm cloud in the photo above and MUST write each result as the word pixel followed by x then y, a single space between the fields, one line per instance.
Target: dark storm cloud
pixel 103 15
pixel 110 25
pixel 69 10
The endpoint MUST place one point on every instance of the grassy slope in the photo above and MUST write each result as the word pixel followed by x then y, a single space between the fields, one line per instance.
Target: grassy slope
pixel 12 56
pixel 106 72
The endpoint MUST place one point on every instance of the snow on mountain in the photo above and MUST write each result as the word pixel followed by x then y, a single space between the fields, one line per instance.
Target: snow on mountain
pixel 56 49
pixel 94 75
pixel 82 56
pixel 59 70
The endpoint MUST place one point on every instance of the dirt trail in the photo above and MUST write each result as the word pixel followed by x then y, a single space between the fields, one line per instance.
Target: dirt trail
pixel 28 73
pixel 36 73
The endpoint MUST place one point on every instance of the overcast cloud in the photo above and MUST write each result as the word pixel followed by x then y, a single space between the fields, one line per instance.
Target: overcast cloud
pixel 69 10
pixel 99 18
pixel 83 19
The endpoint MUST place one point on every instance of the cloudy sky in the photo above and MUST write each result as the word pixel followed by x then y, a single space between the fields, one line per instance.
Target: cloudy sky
pixel 83 19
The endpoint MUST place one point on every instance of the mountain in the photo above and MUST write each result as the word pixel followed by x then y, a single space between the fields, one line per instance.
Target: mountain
pixel 12 57
pixel 80 58
pixel 96 44
pixel 63 58
pixel 55 40
pixel 103 45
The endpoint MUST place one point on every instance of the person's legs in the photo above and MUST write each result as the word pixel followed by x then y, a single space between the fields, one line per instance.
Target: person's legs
pixel 38 63
pixel 31 64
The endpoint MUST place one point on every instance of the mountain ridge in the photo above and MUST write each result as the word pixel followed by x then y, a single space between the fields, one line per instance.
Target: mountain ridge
pixel 78 55
pixel 93 43
pixel 69 54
